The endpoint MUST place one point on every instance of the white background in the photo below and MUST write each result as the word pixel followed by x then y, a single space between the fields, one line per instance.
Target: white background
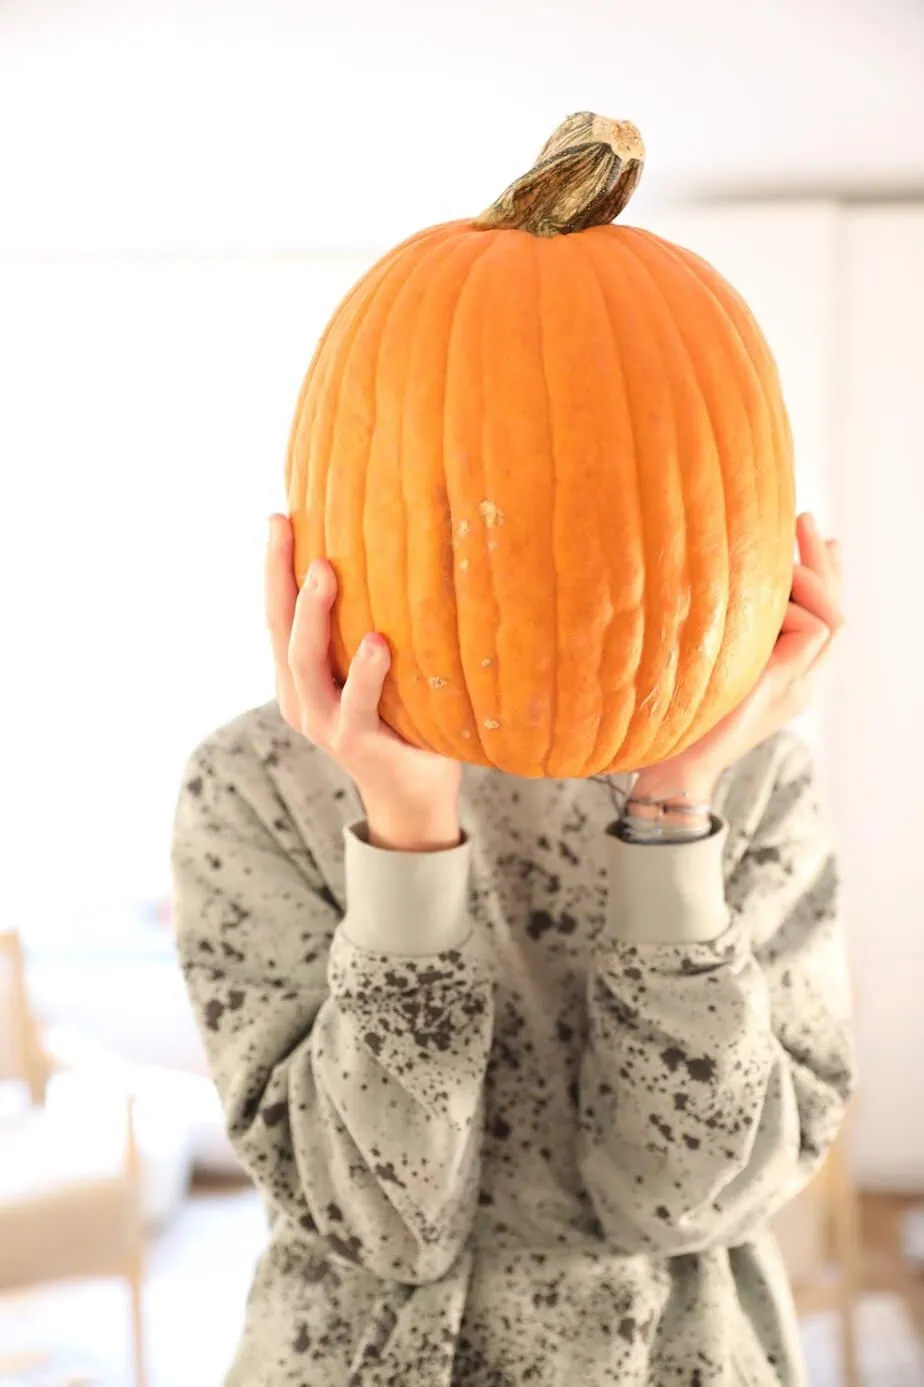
pixel 307 124
pixel 186 195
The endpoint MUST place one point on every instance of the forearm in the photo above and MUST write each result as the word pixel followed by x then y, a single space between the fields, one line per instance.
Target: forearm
pixel 399 1055
pixel 349 1054
pixel 361 1118
pixel 393 829
pixel 731 1070
pixel 700 1131
pixel 398 1060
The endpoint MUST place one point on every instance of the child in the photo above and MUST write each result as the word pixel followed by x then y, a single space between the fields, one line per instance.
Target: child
pixel 522 1085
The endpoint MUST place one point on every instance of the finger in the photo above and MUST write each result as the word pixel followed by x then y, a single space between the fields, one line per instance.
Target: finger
pixel 797 670
pixel 280 591
pixel 834 554
pixel 359 701
pixel 817 596
pixel 798 619
pixel 308 654
pixel 822 658
pixel 796 653
pixel 813 552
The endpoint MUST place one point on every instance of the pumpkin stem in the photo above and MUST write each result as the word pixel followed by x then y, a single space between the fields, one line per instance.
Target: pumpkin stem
pixel 584 176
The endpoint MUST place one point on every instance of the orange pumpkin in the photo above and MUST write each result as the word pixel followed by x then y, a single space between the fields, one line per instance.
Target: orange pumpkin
pixel 549 460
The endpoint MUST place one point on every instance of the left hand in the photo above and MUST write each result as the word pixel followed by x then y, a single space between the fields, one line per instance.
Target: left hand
pixel 813 618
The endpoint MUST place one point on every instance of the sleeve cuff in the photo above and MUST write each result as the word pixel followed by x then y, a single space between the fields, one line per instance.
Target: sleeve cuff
pixel 668 893
pixel 405 902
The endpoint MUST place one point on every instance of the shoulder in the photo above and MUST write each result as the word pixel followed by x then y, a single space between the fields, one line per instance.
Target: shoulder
pixel 772 797
pixel 243 851
pixel 244 768
pixel 781 756
pixel 249 742
pixel 233 761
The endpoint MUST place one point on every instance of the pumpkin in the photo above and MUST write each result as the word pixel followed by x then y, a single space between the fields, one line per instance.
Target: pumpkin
pixel 549 460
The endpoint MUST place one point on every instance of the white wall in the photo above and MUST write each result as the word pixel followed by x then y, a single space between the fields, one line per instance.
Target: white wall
pixel 880 703
pixel 287 124
pixel 840 293
pixel 146 406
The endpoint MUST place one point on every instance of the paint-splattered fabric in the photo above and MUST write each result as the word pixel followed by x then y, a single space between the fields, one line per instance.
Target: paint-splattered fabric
pixel 521 1110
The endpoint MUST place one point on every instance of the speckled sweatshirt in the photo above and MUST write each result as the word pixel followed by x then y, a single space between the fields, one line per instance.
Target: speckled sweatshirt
pixel 521 1110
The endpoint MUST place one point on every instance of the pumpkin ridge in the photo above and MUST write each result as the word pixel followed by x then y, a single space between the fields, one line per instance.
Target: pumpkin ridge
pixel 463 242
pixel 766 365
pixel 691 728
pixel 765 372
pixel 756 368
pixel 303 466
pixel 587 572
pixel 593 759
pixel 661 353
pixel 492 582
pixel 733 306
pixel 630 679
pixel 640 738
pixel 418 248
pixel 320 366
pixel 701 273
pixel 412 708
pixel 758 350
pixel 589 276
pixel 463 288
pixel 497 353
pixel 553 548
pixel 757 390
pixel 680 340
pixel 685 738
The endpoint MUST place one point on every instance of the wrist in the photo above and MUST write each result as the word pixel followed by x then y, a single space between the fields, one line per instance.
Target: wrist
pixel 693 785
pixel 668 806
pixel 397 828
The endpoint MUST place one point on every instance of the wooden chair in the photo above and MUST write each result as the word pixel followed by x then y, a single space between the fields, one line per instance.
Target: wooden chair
pixel 819 1235
pixel 70 1200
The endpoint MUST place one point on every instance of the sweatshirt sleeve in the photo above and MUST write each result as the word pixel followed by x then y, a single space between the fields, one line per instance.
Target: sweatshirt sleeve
pixel 719 1062
pixel 349 1053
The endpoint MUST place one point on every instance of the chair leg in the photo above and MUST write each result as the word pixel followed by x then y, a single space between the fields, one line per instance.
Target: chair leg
pixel 850 1356
pixel 848 1247
pixel 136 1292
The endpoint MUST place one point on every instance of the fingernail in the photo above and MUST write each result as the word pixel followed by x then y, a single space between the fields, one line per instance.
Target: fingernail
pixel 314 576
pixel 372 645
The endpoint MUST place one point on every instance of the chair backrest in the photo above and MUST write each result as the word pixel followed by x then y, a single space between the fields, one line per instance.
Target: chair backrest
pixel 21 1054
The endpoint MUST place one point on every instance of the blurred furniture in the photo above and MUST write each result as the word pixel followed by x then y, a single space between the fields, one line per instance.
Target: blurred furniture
pixel 164 1113
pixel 819 1236
pixel 70 1203
pixel 116 984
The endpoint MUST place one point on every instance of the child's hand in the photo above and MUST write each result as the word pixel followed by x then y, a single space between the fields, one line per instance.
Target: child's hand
pixel 410 796
pixel 784 690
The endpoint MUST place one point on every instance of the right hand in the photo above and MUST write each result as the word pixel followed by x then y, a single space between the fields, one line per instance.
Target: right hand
pixel 411 797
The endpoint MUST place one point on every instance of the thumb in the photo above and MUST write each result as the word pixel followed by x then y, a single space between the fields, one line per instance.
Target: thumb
pixel 796 652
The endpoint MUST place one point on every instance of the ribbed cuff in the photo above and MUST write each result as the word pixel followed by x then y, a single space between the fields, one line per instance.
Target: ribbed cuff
pixel 405 902
pixel 668 893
